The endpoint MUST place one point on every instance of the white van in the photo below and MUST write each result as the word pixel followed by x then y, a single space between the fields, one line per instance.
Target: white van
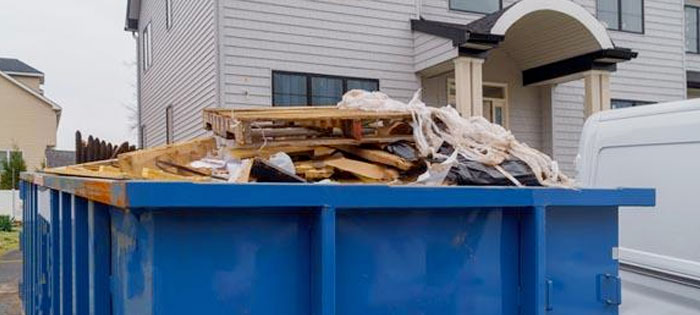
pixel 655 146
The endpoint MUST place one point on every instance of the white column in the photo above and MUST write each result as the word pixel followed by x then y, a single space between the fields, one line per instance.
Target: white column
pixel 597 87
pixel 469 85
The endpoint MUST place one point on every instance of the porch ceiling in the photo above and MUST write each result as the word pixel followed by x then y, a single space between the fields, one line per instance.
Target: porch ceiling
pixel 545 37
pixel 557 38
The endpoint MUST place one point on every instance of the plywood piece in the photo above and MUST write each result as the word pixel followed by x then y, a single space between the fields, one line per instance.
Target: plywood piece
pixel 378 156
pixel 363 169
pixel 182 153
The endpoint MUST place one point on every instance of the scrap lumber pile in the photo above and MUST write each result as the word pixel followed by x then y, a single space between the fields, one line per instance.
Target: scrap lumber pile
pixel 367 138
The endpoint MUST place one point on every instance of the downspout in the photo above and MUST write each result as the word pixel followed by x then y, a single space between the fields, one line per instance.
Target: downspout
pixel 139 130
pixel 419 6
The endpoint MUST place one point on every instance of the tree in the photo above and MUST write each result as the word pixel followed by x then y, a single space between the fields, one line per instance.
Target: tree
pixel 9 178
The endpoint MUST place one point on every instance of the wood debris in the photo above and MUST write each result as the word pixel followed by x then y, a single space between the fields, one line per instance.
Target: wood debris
pixel 320 143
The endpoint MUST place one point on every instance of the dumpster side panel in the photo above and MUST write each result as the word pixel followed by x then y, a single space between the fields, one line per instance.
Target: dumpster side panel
pixel 244 262
pixel 131 237
pixel 66 269
pixel 427 262
pixel 580 242
pixel 79 246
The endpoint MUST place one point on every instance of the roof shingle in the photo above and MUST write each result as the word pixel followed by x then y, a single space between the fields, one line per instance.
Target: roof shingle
pixel 17 66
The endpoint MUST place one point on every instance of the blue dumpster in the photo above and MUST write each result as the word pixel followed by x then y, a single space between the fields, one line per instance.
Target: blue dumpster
pixel 135 247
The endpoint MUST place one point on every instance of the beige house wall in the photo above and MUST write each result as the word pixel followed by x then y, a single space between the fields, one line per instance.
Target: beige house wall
pixel 25 121
pixel 30 81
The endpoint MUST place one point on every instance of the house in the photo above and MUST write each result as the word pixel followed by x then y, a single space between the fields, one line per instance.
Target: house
pixel 538 67
pixel 29 119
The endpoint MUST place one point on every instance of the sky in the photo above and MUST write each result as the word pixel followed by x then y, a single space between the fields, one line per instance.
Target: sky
pixel 87 58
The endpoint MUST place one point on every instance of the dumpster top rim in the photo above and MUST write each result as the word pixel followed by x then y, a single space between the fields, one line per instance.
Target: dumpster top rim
pixel 155 195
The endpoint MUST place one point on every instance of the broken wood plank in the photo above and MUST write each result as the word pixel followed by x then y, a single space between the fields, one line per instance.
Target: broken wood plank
pixel 153 174
pixel 325 142
pixel 242 153
pixel 363 169
pixel 83 172
pixel 319 174
pixel 378 156
pixel 263 171
pixel 183 153
pixel 323 151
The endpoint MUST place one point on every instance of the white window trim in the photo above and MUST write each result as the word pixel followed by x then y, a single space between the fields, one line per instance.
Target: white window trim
pixel 451 99
pixel 147 47
pixel 506 106
pixel 168 14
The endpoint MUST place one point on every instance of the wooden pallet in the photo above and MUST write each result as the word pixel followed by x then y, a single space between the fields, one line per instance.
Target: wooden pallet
pixel 284 126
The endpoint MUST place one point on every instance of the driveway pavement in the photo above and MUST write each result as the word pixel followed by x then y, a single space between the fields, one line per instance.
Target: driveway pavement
pixel 10 272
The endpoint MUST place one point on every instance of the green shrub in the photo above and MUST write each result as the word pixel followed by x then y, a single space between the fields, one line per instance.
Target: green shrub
pixel 6 223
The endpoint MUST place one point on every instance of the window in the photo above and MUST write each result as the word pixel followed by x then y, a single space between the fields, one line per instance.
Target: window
pixel 691 29
pixel 147 51
pixel 169 124
pixel 622 15
pixel 495 101
pixel 478 6
pixel 303 89
pixel 618 103
pixel 168 14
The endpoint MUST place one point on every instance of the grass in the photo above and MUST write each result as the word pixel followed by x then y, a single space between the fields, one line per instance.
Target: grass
pixel 9 240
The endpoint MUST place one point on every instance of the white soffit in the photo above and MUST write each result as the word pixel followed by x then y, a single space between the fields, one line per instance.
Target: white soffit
pixel 525 7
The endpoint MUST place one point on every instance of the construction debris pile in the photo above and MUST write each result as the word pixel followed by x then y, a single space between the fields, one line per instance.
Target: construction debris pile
pixel 366 138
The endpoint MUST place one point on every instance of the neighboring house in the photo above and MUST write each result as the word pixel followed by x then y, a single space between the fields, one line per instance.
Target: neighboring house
pixel 538 67
pixel 29 119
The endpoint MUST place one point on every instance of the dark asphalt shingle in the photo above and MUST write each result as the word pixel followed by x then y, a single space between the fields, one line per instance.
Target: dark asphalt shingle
pixel 16 65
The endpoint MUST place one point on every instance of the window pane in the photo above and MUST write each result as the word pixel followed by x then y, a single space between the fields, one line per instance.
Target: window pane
pixel 498 115
pixel 367 85
pixel 326 91
pixel 607 13
pixel 691 30
pixel 289 89
pixel 483 6
pixel 632 15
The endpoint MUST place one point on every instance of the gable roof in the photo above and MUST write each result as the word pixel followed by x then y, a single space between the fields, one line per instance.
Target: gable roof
pixel 34 93
pixel 16 66
pixel 133 8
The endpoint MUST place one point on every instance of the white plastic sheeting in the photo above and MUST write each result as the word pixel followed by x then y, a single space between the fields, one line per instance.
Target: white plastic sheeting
pixel 474 138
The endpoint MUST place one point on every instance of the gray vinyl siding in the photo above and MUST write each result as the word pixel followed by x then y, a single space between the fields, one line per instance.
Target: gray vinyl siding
pixel 183 72
pixel 567 123
pixel 363 38
pixel 431 50
pixel 692 62
pixel 657 75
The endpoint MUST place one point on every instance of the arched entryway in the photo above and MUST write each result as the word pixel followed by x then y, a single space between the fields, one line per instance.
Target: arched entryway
pixel 503 65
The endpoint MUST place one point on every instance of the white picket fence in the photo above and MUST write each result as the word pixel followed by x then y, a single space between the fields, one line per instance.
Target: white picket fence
pixel 6 200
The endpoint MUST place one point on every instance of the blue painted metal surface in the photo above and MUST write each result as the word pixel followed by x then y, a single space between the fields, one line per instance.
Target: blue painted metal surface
pixel 102 247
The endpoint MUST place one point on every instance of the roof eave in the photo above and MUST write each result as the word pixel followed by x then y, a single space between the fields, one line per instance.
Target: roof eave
pixel 132 17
